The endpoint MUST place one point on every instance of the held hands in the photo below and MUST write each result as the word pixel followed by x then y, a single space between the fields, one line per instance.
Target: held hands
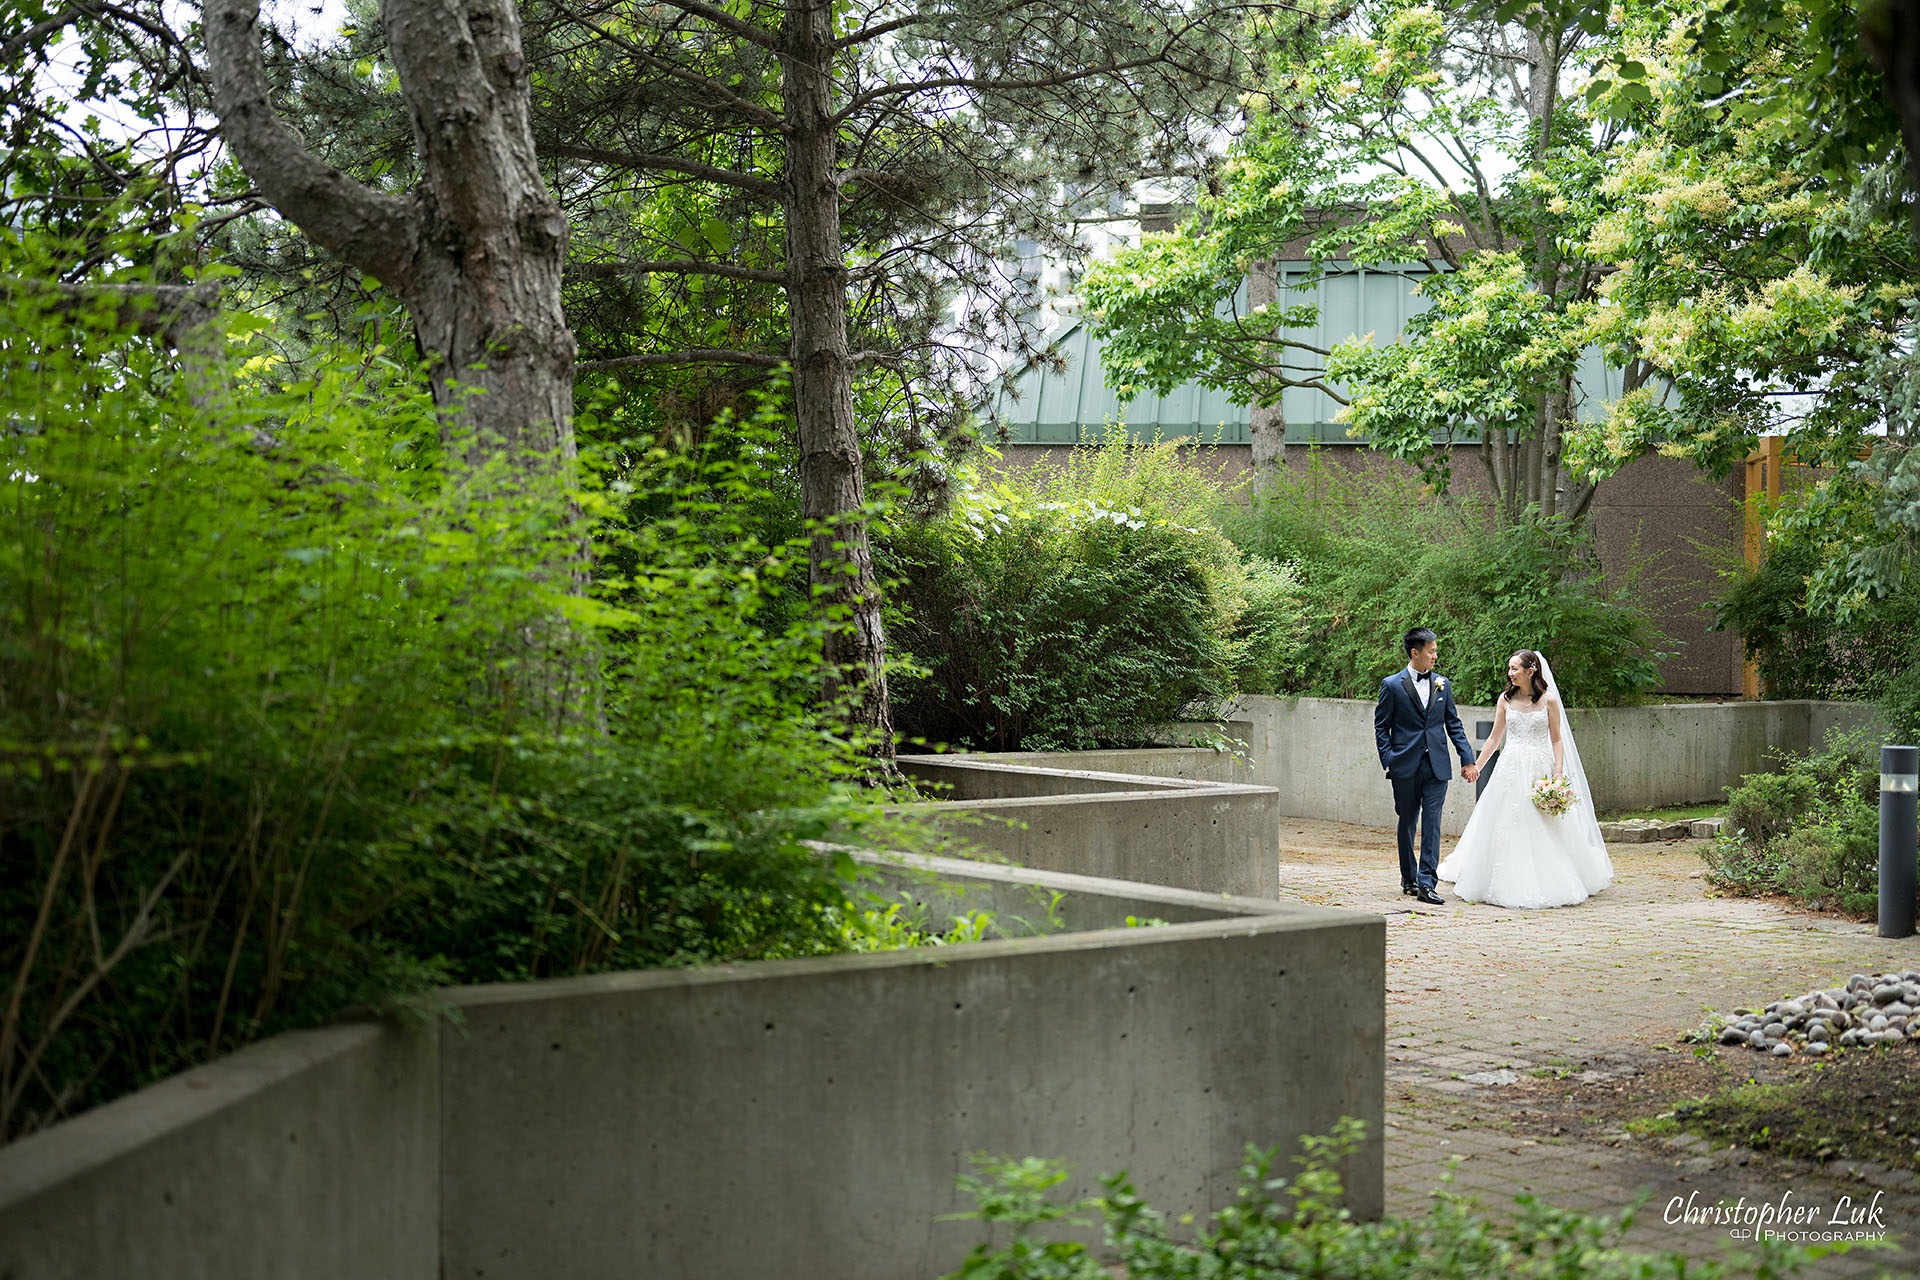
pixel 1470 772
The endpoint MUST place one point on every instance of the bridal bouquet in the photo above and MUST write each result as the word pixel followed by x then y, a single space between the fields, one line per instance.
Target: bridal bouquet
pixel 1554 796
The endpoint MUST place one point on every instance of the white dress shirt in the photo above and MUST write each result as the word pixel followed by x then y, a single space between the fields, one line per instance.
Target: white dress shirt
pixel 1423 688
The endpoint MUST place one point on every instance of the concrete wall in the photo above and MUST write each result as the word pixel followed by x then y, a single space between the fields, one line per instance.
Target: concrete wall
pixel 313 1154
pixel 1210 837
pixel 1023 899
pixel 1826 718
pixel 1319 753
pixel 809 1117
pixel 1016 775
pixel 1194 764
pixel 800 1117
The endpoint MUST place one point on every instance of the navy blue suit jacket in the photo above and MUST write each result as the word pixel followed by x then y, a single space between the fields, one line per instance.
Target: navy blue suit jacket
pixel 1405 731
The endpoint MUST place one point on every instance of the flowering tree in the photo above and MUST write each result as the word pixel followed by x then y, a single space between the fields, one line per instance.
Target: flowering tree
pixel 1446 143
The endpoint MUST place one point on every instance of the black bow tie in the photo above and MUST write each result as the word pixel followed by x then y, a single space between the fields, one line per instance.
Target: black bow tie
pixel 1423 675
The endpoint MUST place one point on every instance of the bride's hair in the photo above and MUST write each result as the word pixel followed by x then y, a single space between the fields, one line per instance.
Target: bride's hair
pixel 1530 662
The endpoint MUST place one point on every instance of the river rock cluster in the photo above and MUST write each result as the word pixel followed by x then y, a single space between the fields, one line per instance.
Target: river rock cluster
pixel 1873 1008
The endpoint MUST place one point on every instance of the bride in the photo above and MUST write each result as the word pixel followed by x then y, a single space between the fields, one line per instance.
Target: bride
pixel 1512 854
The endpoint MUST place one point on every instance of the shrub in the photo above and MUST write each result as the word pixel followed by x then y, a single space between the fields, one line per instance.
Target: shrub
pixel 1806 654
pixel 1074 608
pixel 1765 806
pixel 1270 634
pixel 1900 699
pixel 1810 830
pixel 1741 868
pixel 1280 1228
pixel 1376 555
pixel 260 757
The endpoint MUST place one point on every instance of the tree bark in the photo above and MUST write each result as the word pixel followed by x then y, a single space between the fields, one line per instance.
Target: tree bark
pixel 1892 34
pixel 833 489
pixel 1268 429
pixel 1544 48
pixel 475 253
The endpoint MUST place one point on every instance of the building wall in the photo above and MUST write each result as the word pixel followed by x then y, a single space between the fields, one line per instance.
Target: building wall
pixel 1659 524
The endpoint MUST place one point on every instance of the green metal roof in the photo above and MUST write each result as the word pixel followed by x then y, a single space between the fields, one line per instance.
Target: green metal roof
pixel 1075 406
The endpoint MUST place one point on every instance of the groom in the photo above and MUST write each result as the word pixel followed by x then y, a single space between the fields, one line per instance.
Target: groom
pixel 1411 725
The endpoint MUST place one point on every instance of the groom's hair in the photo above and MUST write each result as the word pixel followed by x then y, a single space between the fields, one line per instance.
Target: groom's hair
pixel 1419 638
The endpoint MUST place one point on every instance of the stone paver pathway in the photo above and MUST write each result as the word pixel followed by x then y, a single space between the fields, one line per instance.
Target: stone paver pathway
pixel 1590 992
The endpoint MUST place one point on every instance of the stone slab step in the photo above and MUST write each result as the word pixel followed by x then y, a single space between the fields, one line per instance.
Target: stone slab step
pixel 1647 830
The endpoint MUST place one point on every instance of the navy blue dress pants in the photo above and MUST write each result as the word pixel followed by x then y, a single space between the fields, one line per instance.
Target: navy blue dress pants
pixel 1417 800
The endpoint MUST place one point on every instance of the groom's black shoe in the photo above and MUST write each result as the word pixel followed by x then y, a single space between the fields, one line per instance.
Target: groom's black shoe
pixel 1409 889
pixel 1429 896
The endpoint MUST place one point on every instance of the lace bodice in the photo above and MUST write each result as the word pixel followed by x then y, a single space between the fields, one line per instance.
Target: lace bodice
pixel 1527 731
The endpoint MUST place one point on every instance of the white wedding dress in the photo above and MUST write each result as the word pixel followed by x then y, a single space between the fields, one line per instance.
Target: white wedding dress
pixel 1513 855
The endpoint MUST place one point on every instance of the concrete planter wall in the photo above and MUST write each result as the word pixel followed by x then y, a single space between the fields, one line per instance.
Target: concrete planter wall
pixel 1318 754
pixel 1319 757
pixel 311 1156
pixel 797 1117
pixel 1214 837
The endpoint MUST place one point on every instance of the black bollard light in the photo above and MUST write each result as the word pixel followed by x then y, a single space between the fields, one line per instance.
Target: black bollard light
pixel 1899 813
pixel 1482 730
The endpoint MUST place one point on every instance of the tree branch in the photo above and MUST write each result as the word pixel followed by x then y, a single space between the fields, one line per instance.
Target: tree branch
pixel 750 110
pixel 727 22
pixel 693 355
pixel 377 233
pixel 161 311
pixel 671 164
pixel 866 34
pixel 676 266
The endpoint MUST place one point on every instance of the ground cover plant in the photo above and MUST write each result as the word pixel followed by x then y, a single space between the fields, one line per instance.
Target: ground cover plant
pixel 1279 1228
pixel 1810 830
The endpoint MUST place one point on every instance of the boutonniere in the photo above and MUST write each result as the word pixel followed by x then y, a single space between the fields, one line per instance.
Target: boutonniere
pixel 1440 682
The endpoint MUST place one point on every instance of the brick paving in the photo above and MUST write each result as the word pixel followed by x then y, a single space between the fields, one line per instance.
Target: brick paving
pixel 1593 991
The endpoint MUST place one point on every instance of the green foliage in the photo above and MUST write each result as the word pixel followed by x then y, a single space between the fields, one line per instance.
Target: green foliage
pixel 1270 635
pixel 1375 555
pixel 1074 608
pixel 1352 114
pixel 1474 365
pixel 267 745
pixel 1810 830
pixel 1900 704
pixel 1808 652
pixel 1734 273
pixel 1279 1229
pixel 876 921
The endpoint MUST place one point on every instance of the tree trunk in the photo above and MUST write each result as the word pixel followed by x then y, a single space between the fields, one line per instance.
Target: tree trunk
pixel 1268 430
pixel 474 253
pixel 1557 402
pixel 1544 48
pixel 1892 34
pixel 833 490
pixel 486 298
